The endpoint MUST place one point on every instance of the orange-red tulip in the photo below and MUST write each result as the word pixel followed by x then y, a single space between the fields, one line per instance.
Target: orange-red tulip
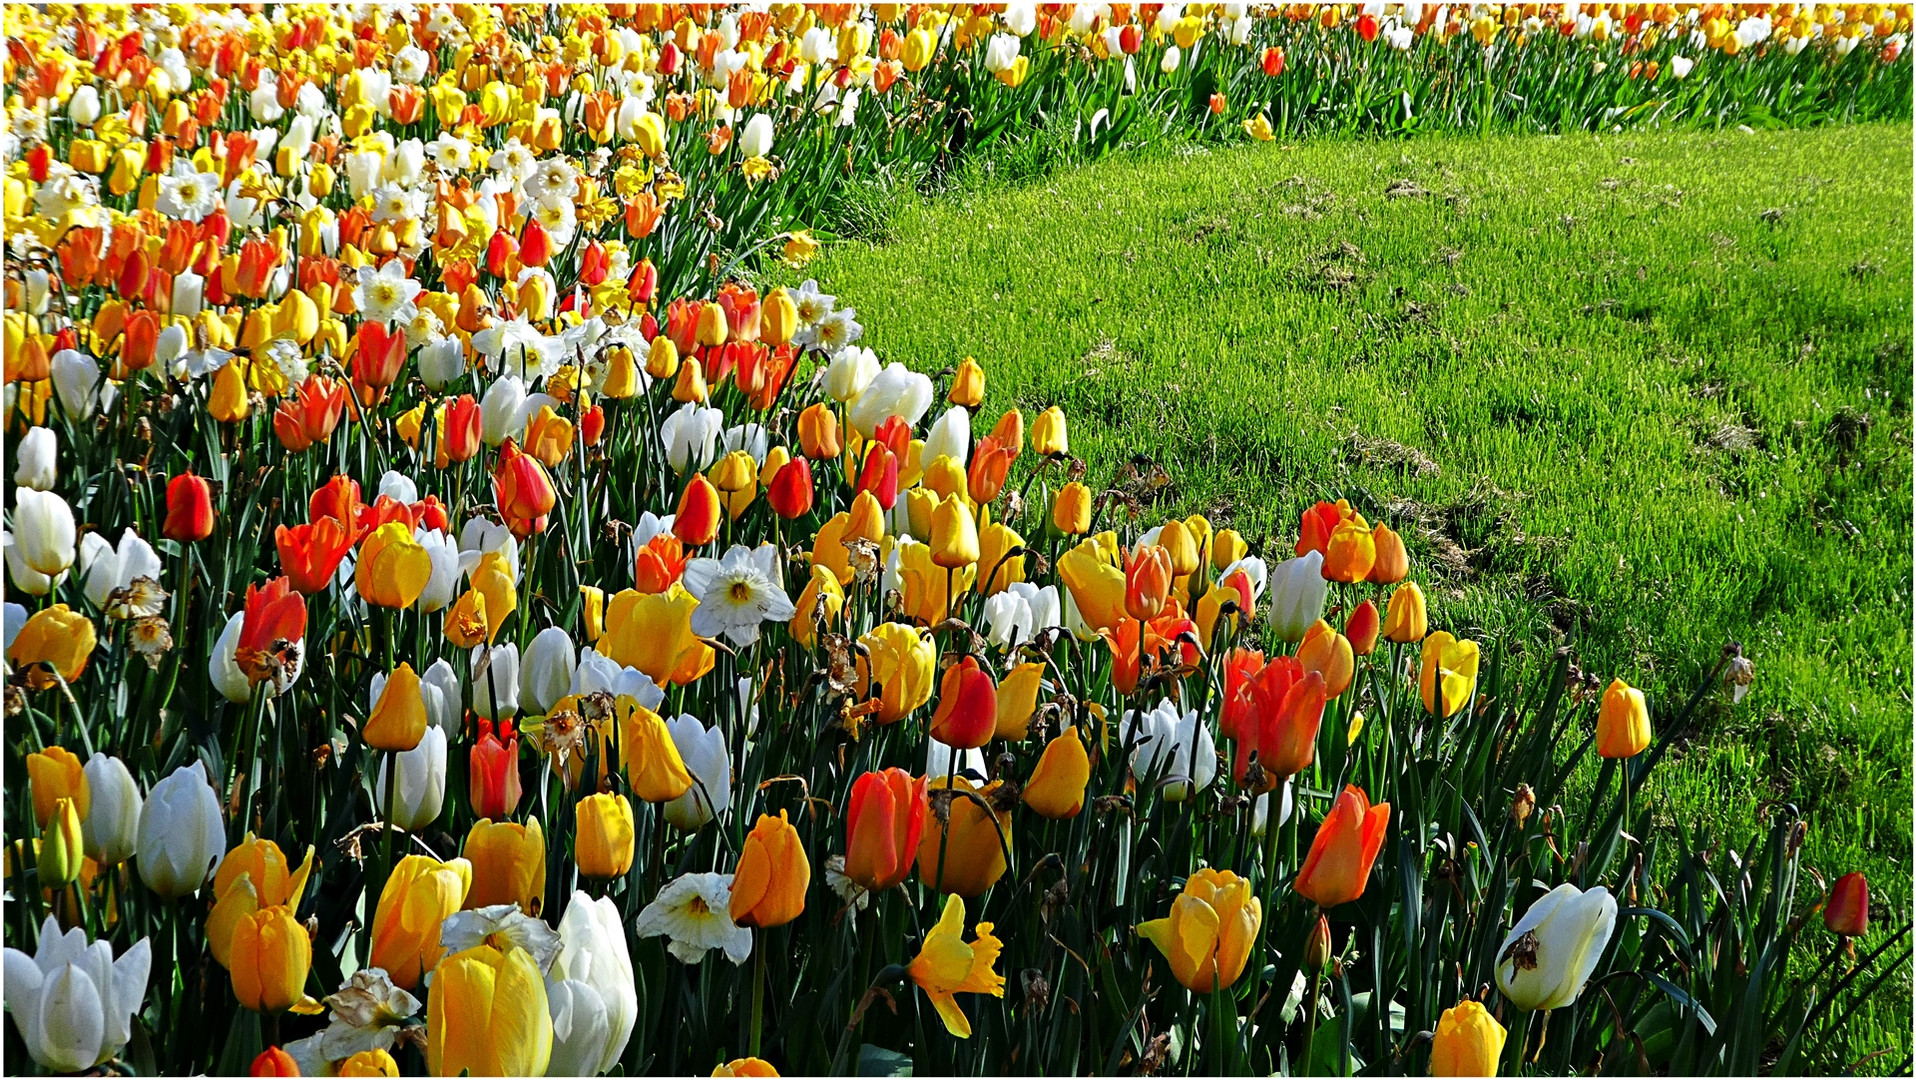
pixel 1342 852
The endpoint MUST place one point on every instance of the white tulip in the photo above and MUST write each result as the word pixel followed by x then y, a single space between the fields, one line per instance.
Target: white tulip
pixel 24 577
pixel 1172 57
pixel 852 370
pixel 897 391
pixel 14 617
pixel 938 760
pixel 399 486
pixel 580 1027
pixel 441 362
pixel 710 762
pixel 442 587
pixel 690 436
pixel 502 410
pixel 444 705
pixel 78 385
pixel 223 666
pixel 36 463
pixel 72 1003
pixel 189 292
pixel 112 825
pixel 1297 595
pixel 593 951
pixel 1176 748
pixel 756 141
pixel 83 108
pixel 546 674
pixel 1020 613
pixel 43 530
pixel 499 677
pixel 422 781
pixel 1549 955
pixel 1680 66
pixel 597 673
pixel 107 569
pixel 950 436
pixel 182 839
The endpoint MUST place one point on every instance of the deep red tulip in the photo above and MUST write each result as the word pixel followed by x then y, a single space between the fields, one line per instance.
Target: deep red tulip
pixel 189 508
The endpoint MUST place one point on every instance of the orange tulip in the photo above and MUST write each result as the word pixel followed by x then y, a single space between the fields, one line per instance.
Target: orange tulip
pixel 1342 852
pixel 1848 911
pixel 1393 562
pixel 1147 582
pixel 1287 706
pixel 883 826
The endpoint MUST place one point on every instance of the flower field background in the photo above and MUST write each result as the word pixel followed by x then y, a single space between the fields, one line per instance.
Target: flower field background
pixel 648 539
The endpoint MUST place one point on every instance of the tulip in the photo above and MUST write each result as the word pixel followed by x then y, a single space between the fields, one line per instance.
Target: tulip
pixel 493 781
pixel 1469 1042
pixel 790 492
pixel 1048 433
pixel 895 669
pixel 779 319
pixel 773 874
pixel 1623 722
pixel 273 1061
pixel 968 384
pixel 1349 553
pixel 1450 665
pixel 1392 562
pixel 1341 854
pixel 1361 628
pixel 189 508
pixel 112 822
pixel 884 824
pixel 966 854
pixel 1848 912
pixel 422 782
pixel 253 876
pixel 696 520
pixel 1549 955
pixel 580 1026
pixel 947 965
pixel 1405 620
pixel 592 953
pixel 270 956
pixel 310 554
pixel 71 1001
pixel 523 488
pixel 603 842
pixel 61 846
pixel 1056 787
pixel 181 838
pixel 709 760
pixel 1286 708
pixel 545 673
pixel 1071 510
pixel 43 531
pixel 398 719
pixel 418 896
pixel 495 681
pixel 493 580
pixel 488 1015
pixel 55 774
pixel 508 865
pixel 818 435
pixel 374 1062
pixel 967 714
pixel 1095 584
pixel 1297 589
pixel 1147 582
pixel 1330 654
pixel 748 1066
pixel 1209 933
pixel 36 459
pixel 1017 699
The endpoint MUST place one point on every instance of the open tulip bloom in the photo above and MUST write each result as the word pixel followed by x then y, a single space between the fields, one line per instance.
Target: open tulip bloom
pixel 474 605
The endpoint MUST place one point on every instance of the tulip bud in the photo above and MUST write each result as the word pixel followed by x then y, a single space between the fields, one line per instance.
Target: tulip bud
pixel 422 781
pixel 1361 628
pixel 1848 912
pixel 1448 674
pixel 790 492
pixel 968 384
pixel 954 534
pixel 778 318
pixel 603 842
pixel 55 774
pixel 967 714
pixel 662 359
pixel 1317 947
pixel 696 521
pixel 61 846
pixel 1392 562
pixel 1048 433
pixel 1071 510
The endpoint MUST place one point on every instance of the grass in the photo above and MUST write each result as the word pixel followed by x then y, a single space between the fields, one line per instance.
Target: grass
pixel 1641 394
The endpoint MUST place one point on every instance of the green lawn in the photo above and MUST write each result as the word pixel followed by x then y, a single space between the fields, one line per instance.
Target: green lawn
pixel 1646 393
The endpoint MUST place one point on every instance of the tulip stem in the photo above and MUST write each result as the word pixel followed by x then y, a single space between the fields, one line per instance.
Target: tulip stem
pixel 944 836
pixel 758 987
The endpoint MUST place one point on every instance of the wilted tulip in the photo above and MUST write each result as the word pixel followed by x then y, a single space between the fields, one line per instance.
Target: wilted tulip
pixel 488 1015
pixel 1549 955
pixel 1209 933
pixel 182 839
pixel 1469 1042
pixel 1623 722
pixel 71 1001
pixel 773 874
pixel 418 896
pixel 1343 850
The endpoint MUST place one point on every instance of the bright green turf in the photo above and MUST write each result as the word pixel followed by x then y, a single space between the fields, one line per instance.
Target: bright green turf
pixel 1653 388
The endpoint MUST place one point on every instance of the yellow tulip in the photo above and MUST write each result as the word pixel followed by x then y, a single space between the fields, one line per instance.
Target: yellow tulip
pixel 1469 1042
pixel 487 1015
pixel 419 894
pixel 645 752
pixel 954 534
pixel 1208 935
pixel 54 774
pixel 62 847
pixel 973 858
pixel 1056 787
pixel 1623 722
pixel 270 956
pixel 1449 664
pixel 252 876
pixel 603 843
pixel 398 722
pixel 1017 700
pixel 768 888
pixel 1406 620
pixel 1096 583
pixel 653 632
pixel 508 865
pixel 393 568
pixel 895 669
pixel 493 580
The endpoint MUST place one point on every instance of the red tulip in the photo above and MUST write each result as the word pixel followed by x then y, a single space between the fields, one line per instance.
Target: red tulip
pixel 338 499
pixel 1287 706
pixel 1848 910
pixel 310 554
pixel 274 1062
pixel 463 429
pixel 1343 850
pixel 523 488
pixel 791 490
pixel 189 508
pixel 271 631
pixel 1367 27
pixel 380 355
pixel 495 771
pixel 967 706
pixel 697 519
pixel 1361 628
pixel 884 822
pixel 535 244
pixel 1240 710
pixel 880 475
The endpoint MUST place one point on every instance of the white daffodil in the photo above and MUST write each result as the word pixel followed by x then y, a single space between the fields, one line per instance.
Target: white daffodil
pixel 695 912
pixel 385 294
pixel 188 195
pixel 501 923
pixel 813 305
pixel 737 593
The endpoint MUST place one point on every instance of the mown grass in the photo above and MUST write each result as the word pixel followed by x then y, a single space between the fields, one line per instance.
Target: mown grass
pixel 1641 394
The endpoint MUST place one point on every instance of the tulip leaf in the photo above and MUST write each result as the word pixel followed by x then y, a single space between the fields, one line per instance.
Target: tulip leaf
pixel 1685 1000
pixel 878 1061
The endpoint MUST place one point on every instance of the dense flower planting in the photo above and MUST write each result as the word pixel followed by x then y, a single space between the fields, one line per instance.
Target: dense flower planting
pixel 461 621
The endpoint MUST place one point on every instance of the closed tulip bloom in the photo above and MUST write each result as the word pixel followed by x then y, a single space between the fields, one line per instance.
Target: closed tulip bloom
pixel 1392 562
pixel 1147 582
pixel 948 965
pixel 1297 592
pixel 648 754
pixel 420 893
pixel 1848 910
pixel 968 384
pixel 895 668
pixel 270 956
pixel 182 839
pixel 545 672
pixel 818 435
pixel 967 714
pixel 1349 553
pixel 1056 787
pixel 696 520
pixel 1017 699
pixel 398 721
pixel 54 774
pixel 1449 668
pixel 62 847
pixel 1048 433
pixel 603 843
pixel 773 874
pixel 1330 654
pixel 1343 850
pixel 1071 510
pixel 273 1061
pixel 36 460
pixel 374 1062
pixel 1623 722
pixel 592 951
pixel 508 865
pixel 57 636
pixel 112 823
pixel 975 858
pixel 1550 954
pixel 1405 620
pixel 1208 935
pixel 1469 1042
pixel 422 781
pixel 884 824
pixel 487 1015
pixel 493 579
pixel 709 760
pixel 778 318
pixel 43 531
pixel 493 782
pixel 524 489
pixel 393 568
pixel 954 534
pixel 189 508
pixel 653 633
pixel 790 492
pixel 749 1066
pixel 253 875
pixel 71 1001
pixel 1361 628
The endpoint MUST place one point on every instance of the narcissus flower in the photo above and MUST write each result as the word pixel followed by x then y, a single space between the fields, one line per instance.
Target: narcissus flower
pixel 1209 933
pixel 694 912
pixel 1343 850
pixel 947 965
pixel 768 888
